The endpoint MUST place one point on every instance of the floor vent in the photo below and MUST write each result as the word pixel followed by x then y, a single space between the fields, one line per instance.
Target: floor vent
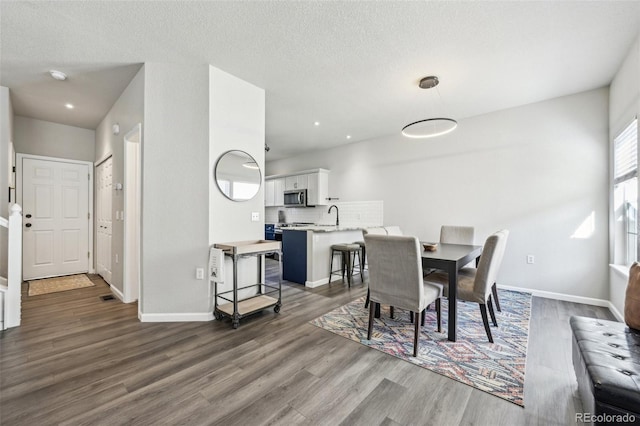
pixel 107 297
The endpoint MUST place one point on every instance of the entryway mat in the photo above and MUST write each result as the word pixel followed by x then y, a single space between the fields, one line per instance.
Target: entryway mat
pixel 56 284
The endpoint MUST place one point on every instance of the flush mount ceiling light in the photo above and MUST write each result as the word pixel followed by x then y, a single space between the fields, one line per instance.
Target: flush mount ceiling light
pixel 58 75
pixel 429 127
pixel 69 106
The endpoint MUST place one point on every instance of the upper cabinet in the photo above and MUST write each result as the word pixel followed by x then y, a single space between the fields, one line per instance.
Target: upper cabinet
pixel 269 193
pixel 274 192
pixel 278 187
pixel 295 182
pixel 318 188
pixel 316 182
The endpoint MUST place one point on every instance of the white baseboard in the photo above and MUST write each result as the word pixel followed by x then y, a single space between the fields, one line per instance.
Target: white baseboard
pixel 314 284
pixel 571 298
pixel 562 296
pixel 616 313
pixel 117 293
pixel 176 317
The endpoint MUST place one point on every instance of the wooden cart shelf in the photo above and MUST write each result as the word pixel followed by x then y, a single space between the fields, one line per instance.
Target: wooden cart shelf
pixel 251 247
pixel 236 308
pixel 248 306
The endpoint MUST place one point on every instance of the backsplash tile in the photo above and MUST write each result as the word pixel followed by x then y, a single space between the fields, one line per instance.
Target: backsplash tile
pixel 352 213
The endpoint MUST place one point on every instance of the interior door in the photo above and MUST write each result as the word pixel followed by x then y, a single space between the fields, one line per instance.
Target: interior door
pixel 104 185
pixel 55 197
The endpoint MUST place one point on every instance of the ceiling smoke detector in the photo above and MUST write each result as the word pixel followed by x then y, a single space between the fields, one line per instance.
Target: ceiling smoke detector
pixel 58 75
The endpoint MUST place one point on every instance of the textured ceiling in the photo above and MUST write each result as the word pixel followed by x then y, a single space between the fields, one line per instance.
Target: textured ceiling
pixel 352 66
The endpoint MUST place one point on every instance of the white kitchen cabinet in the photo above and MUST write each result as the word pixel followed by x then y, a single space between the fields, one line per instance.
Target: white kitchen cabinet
pixel 318 188
pixel 278 192
pixel 274 192
pixel 315 181
pixel 295 182
pixel 269 193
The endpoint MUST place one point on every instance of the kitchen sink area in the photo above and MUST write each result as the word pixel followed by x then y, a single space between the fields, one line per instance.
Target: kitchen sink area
pixel 307 234
pixel 306 249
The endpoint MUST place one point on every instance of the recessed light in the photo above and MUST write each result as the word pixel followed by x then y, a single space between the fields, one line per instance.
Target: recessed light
pixel 317 123
pixel 348 136
pixel 69 106
pixel 58 75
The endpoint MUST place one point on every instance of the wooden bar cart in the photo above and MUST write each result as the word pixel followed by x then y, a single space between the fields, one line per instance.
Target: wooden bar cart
pixel 267 295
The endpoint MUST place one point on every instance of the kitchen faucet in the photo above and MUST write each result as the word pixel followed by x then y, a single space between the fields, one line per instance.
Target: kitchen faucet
pixel 337 214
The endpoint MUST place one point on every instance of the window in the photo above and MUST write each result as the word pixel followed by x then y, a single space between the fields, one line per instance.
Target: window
pixel 625 195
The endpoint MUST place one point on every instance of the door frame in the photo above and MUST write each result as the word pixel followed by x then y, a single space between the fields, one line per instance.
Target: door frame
pixel 89 164
pixel 132 251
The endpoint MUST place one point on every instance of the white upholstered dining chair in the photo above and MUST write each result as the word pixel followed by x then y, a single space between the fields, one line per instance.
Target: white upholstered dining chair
pixel 395 278
pixel 474 284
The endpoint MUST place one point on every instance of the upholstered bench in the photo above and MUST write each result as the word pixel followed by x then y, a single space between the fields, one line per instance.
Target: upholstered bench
pixel 606 360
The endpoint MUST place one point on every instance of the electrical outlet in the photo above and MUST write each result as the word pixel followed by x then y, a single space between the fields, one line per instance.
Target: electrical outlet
pixel 116 257
pixel 531 259
pixel 255 216
pixel 200 273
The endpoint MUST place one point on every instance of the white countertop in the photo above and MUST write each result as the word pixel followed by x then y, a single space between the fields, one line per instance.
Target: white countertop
pixel 324 228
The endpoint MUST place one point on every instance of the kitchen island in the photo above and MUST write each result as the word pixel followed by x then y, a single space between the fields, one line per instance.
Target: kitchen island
pixel 306 251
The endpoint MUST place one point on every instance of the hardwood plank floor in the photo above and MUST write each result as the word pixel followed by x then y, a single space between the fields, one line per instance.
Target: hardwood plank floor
pixel 79 360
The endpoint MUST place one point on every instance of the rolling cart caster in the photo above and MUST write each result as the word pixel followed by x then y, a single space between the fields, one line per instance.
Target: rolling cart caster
pixel 276 308
pixel 217 315
pixel 236 324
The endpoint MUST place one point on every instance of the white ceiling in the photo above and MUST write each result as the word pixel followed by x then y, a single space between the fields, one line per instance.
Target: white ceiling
pixel 352 66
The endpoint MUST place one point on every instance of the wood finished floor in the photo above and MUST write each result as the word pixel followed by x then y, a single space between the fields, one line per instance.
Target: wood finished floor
pixel 78 360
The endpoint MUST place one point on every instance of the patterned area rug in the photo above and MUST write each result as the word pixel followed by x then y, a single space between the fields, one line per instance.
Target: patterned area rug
pixel 54 285
pixel 496 368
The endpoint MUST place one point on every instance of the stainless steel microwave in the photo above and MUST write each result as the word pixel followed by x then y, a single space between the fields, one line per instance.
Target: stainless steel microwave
pixel 295 198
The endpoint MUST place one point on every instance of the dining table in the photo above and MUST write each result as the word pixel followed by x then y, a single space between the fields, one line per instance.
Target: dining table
pixel 450 258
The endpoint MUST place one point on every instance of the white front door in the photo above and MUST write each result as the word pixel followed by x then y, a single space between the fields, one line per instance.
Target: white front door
pixel 104 185
pixel 55 198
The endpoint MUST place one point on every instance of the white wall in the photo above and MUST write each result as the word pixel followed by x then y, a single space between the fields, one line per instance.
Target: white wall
pixel 624 105
pixel 188 125
pixel 536 170
pixel 175 187
pixel 38 137
pixel 6 136
pixel 236 122
pixel 127 111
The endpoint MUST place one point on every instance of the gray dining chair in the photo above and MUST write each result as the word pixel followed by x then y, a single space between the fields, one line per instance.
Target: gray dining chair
pixel 395 278
pixel 378 230
pixel 474 284
pixel 457 234
pixel 393 230
pixel 465 235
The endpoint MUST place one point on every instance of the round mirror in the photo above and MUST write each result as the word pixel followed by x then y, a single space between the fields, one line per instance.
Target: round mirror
pixel 238 175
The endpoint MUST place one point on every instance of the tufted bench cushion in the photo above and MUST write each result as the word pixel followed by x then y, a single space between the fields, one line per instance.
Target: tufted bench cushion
pixel 606 360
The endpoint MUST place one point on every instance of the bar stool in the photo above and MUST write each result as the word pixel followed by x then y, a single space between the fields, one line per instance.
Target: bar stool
pixel 348 253
pixel 363 254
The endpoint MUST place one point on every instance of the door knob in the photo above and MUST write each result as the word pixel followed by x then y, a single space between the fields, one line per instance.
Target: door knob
pixel 28 225
pixel 28 216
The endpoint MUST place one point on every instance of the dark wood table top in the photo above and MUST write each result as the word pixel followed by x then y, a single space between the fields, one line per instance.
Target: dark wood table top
pixel 452 252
